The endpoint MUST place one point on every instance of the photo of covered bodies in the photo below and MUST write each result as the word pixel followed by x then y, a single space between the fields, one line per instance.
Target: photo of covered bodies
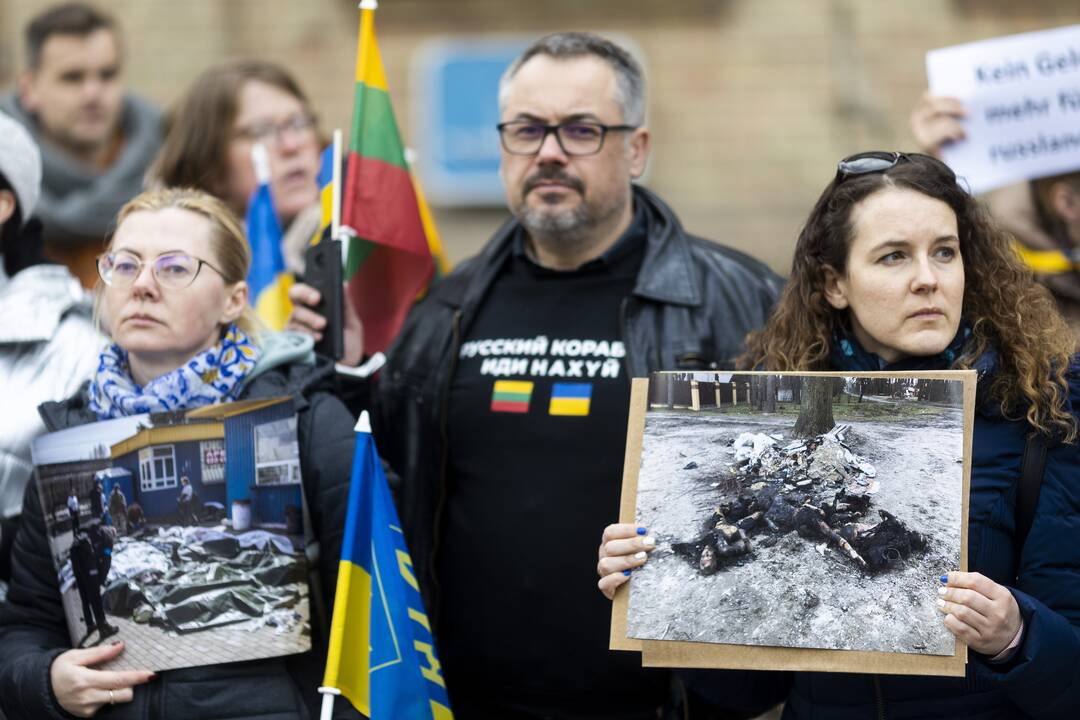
pixel 799 511
pixel 180 533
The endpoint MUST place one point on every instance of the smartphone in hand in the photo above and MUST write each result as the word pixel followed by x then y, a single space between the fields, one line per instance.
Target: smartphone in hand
pixel 322 271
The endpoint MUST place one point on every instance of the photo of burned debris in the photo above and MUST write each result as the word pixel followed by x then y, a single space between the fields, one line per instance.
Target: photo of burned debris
pixel 181 534
pixel 799 511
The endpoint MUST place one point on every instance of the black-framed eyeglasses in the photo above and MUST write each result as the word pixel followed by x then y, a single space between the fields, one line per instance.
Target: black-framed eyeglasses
pixel 877 161
pixel 269 132
pixel 174 270
pixel 576 138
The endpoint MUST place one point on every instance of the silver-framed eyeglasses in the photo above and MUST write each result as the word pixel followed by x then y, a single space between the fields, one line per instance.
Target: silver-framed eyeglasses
pixel 523 137
pixel 172 270
pixel 269 132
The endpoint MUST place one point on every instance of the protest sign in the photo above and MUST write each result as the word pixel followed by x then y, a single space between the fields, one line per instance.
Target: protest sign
pixel 797 519
pixel 1022 96
pixel 180 533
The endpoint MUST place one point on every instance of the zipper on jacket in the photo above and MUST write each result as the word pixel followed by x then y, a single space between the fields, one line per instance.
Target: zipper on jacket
pixel 879 697
pixel 444 415
pixel 624 308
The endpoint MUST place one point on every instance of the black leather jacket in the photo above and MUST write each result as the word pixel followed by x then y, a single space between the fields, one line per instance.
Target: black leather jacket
pixel 692 305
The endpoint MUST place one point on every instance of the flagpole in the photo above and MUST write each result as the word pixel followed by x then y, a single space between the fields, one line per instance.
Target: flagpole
pixel 335 201
pixel 363 424
pixel 328 695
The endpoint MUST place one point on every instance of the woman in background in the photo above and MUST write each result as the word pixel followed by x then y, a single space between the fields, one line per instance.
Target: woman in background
pixel 210 133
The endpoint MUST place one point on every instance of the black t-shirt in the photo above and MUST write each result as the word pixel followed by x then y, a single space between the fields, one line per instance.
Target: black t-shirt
pixel 537 432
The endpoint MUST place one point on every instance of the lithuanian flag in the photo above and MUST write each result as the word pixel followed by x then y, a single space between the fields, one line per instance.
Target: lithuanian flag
pixel 389 260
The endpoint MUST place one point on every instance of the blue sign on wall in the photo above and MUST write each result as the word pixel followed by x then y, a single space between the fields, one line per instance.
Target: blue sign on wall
pixel 456 110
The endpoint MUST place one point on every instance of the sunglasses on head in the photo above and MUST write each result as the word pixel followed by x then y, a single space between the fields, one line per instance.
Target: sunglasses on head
pixel 877 161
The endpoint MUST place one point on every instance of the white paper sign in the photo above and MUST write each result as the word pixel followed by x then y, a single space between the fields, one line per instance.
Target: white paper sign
pixel 1022 95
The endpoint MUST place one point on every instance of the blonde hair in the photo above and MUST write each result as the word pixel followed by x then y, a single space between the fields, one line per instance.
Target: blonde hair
pixel 229 245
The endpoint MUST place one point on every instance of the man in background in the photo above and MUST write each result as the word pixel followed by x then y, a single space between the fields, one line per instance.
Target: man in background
pixel 96 141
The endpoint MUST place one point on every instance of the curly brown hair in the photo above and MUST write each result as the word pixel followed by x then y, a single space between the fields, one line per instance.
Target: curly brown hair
pixel 1004 306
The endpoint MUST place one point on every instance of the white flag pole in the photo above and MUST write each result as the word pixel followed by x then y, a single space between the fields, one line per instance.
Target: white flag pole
pixel 328 695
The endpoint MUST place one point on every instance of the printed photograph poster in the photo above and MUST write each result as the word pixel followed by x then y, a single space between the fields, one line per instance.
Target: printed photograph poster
pixel 1022 98
pixel 802 520
pixel 180 533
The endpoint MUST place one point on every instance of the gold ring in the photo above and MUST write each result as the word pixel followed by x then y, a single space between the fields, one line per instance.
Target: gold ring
pixel 112 699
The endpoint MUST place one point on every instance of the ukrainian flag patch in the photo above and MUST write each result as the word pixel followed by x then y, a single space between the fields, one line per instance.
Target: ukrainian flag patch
pixel 570 399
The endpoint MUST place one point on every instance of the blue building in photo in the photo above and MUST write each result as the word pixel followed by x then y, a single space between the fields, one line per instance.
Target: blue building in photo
pixel 243 451
pixel 262 458
pixel 155 459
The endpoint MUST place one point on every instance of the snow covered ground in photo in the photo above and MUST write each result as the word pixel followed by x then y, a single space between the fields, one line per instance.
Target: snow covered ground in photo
pixel 797 592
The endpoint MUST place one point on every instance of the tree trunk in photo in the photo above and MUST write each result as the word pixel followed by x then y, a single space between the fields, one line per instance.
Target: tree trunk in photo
pixel 770 394
pixel 815 410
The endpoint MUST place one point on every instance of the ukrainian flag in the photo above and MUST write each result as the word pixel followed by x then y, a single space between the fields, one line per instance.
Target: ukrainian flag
pixel 268 280
pixel 382 655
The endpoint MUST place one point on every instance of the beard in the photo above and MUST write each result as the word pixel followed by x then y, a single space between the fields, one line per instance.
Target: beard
pixel 564 227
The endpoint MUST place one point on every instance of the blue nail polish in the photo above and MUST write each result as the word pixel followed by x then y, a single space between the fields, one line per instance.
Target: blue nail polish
pixel 944 579
pixel 626 572
pixel 641 531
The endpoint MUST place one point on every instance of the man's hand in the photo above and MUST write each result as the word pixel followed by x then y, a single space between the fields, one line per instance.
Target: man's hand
pixel 623 547
pixel 979 611
pixel 82 691
pixel 935 122
pixel 304 319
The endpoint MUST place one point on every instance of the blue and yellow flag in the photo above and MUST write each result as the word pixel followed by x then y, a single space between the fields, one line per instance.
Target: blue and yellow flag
pixel 382 655
pixel 268 281
pixel 325 180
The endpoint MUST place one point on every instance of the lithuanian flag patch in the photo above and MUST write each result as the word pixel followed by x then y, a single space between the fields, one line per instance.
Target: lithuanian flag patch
pixel 511 396
pixel 570 399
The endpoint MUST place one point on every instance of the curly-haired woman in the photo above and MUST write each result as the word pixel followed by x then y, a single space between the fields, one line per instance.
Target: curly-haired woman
pixel 898 268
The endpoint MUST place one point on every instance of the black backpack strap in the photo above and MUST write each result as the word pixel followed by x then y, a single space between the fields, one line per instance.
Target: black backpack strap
pixel 1027 490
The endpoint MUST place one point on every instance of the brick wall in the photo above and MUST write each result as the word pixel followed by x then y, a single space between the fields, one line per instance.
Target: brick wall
pixel 752 101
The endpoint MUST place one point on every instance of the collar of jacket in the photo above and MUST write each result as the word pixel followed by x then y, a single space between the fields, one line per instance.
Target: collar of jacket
pixel 666 274
pixel 81 201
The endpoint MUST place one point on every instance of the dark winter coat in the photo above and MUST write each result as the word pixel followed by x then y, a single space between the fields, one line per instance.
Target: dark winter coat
pixel 692 305
pixel 32 627
pixel 1042 680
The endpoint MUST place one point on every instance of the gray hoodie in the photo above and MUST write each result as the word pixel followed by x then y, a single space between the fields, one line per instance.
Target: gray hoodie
pixel 78 204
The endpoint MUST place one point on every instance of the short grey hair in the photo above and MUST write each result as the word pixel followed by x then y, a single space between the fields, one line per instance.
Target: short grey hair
pixel 629 79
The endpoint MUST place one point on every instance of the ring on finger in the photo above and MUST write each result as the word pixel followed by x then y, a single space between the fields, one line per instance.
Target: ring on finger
pixel 112 698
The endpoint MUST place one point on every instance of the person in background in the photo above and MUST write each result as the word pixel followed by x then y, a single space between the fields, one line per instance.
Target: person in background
pixel 184 503
pixel 91 558
pixel 48 341
pixel 210 133
pixel 898 268
pixel 1043 215
pixel 97 501
pixel 118 508
pixel 96 139
pixel 175 304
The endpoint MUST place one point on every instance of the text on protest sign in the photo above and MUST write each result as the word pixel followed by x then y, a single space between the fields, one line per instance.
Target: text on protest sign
pixel 1022 96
